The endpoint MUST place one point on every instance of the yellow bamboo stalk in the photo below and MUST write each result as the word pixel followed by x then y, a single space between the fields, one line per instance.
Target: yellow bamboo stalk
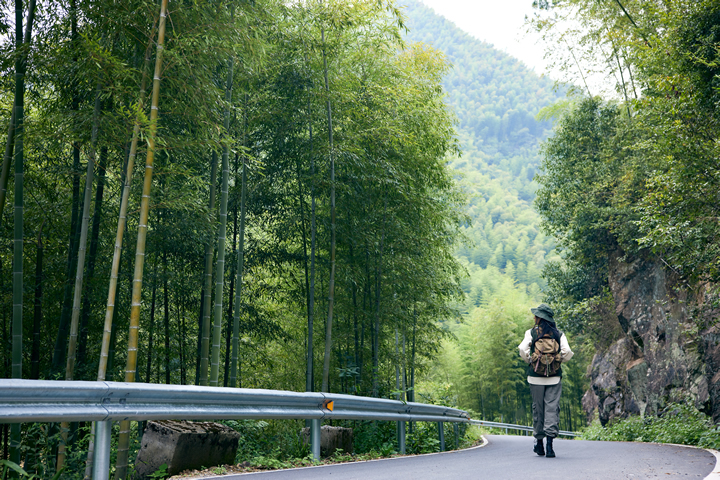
pixel 122 220
pixel 131 366
pixel 112 289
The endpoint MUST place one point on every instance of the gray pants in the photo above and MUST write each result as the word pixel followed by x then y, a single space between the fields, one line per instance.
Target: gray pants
pixel 546 410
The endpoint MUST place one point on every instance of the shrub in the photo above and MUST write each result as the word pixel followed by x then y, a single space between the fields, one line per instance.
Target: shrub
pixel 678 423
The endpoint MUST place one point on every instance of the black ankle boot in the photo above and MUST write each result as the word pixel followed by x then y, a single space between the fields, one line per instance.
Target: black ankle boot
pixel 538 448
pixel 550 451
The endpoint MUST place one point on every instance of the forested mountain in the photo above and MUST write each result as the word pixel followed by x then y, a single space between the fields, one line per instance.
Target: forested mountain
pixel 496 98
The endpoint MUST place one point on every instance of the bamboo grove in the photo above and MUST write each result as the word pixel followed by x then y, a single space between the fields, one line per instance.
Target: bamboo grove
pixel 292 224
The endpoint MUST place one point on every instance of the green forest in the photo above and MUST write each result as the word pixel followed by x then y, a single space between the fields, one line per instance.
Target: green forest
pixel 635 175
pixel 630 175
pixel 352 197
pixel 292 225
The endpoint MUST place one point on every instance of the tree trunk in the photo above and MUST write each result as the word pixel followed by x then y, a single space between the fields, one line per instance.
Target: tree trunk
pixel 108 332
pixel 85 314
pixel 303 234
pixel 231 296
pixel 207 290
pixel 7 160
pixel 79 271
pixel 309 380
pixel 403 393
pixel 229 326
pixel 82 247
pixel 166 301
pixel 367 299
pixel 131 366
pixel 397 365
pixel 64 326
pixel 181 341
pixel 356 332
pixel 331 282
pixel 7 352
pixel 376 329
pixel 412 361
pixel 198 344
pixel 234 368
pixel 37 317
pixel 151 329
pixel 19 107
pixel 124 269
pixel 22 58
pixel 222 232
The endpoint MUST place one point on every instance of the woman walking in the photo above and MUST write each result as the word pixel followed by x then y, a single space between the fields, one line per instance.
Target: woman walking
pixel 545 348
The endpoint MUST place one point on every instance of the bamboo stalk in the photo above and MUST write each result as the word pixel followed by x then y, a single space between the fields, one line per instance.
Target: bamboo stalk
pixel 131 366
pixel 64 327
pixel 22 59
pixel 238 281
pixel 17 318
pixel 240 263
pixel 92 257
pixel 207 289
pixel 7 158
pixel 37 317
pixel 222 232
pixel 331 283
pixel 309 383
pixel 74 321
pixel 378 291
pixel 115 268
pixel 82 247
pixel 122 221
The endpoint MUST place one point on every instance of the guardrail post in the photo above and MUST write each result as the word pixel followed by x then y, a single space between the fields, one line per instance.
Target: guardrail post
pixel 315 438
pixel 456 429
pixel 441 436
pixel 401 437
pixel 101 460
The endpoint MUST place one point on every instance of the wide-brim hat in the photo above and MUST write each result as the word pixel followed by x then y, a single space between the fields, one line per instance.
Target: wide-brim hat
pixel 545 312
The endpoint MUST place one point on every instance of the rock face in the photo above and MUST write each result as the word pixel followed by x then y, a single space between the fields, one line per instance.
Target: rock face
pixel 331 439
pixel 661 355
pixel 184 446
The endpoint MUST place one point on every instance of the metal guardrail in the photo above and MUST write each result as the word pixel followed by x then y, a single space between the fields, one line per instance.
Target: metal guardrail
pixel 104 402
pixel 510 426
pixel 24 401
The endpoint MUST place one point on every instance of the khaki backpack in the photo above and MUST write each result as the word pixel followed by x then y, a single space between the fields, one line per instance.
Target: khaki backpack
pixel 545 358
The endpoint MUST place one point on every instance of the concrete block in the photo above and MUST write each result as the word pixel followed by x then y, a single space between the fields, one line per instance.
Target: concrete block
pixel 185 445
pixel 332 438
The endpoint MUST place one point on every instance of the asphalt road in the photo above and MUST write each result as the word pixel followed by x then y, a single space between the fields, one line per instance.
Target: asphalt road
pixel 511 457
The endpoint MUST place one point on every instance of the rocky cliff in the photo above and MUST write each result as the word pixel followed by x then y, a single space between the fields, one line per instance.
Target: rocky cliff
pixel 661 353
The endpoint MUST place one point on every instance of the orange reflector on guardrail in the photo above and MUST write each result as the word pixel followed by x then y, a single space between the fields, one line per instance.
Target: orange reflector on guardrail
pixel 328 405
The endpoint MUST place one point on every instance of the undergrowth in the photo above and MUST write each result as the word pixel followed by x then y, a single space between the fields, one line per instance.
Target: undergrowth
pixel 279 444
pixel 273 444
pixel 677 423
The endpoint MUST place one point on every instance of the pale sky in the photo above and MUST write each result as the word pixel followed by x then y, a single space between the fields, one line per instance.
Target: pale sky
pixel 499 22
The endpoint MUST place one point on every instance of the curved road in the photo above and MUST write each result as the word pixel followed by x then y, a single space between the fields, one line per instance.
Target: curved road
pixel 511 457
